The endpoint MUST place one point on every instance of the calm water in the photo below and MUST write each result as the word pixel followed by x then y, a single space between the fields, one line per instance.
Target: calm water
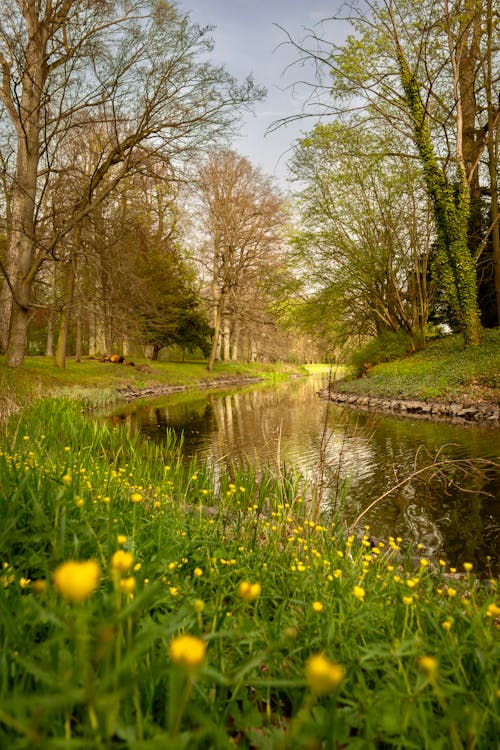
pixel 454 516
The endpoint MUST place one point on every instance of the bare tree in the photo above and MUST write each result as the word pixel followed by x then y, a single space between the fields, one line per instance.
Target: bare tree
pixel 244 220
pixel 141 76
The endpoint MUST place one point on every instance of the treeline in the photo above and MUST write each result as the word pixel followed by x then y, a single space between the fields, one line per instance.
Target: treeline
pixel 128 223
pixel 126 220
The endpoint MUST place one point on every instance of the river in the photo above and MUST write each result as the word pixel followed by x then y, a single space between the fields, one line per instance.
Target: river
pixel 452 510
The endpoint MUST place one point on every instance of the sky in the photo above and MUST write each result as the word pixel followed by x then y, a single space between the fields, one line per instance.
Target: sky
pixel 248 41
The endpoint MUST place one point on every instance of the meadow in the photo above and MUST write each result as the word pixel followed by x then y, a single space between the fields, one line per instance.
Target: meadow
pixel 148 604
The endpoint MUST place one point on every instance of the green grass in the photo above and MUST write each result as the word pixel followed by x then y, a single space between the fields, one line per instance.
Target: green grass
pixel 97 381
pixel 102 673
pixel 444 369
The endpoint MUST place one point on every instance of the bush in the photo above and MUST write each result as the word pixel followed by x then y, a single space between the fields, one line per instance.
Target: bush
pixel 386 347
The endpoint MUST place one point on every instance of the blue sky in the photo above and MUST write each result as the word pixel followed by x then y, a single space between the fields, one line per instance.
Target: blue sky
pixel 248 41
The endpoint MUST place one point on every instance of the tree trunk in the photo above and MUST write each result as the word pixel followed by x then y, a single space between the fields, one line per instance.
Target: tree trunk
pixel 226 340
pixel 62 340
pixel 49 347
pixel 78 343
pixel 18 331
pixel 217 325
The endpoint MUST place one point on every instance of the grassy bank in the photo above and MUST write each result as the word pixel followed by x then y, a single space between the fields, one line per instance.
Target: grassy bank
pixel 218 611
pixel 444 369
pixel 96 382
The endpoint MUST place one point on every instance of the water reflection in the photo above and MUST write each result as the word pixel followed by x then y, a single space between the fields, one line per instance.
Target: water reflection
pixel 452 514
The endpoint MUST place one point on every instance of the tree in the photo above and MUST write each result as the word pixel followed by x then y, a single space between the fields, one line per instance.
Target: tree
pixel 422 69
pixel 170 311
pixel 244 220
pixel 140 77
pixel 362 262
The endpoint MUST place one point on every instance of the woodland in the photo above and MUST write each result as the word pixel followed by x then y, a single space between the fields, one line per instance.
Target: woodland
pixel 129 224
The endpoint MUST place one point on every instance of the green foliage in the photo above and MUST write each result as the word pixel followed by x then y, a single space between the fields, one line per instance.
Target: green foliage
pixel 170 311
pixel 362 262
pixel 444 369
pixel 387 347
pixel 418 648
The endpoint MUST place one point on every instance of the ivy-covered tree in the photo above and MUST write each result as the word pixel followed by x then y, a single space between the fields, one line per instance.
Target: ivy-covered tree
pixel 427 71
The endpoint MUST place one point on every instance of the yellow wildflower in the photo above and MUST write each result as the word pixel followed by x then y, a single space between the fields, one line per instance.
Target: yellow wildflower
pixel 429 666
pixel 122 560
pixel 249 591
pixel 492 610
pixel 408 600
pixel 317 606
pixel 198 572
pixel 121 539
pixel 446 625
pixel 127 585
pixel 451 591
pixel 322 675
pixel 136 497
pixel 77 580
pixel 467 567
pixel 359 593
pixel 187 651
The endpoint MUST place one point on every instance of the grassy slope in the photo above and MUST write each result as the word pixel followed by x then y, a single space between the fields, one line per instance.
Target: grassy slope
pixel 444 369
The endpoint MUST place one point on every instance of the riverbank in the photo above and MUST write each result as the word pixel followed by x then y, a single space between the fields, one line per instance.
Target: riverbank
pixel 444 380
pixel 100 383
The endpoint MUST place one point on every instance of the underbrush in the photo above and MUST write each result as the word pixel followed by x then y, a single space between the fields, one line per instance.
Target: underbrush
pixel 214 610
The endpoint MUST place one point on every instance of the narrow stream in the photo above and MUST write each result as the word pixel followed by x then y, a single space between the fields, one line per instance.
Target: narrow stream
pixel 453 512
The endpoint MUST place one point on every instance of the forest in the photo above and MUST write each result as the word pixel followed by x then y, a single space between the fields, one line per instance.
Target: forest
pixel 128 223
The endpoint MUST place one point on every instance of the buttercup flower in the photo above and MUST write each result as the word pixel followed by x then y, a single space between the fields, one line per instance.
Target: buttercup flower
pixel 428 665
pixel 322 675
pixel 317 606
pixel 187 651
pixel 359 592
pixel 127 585
pixel 492 610
pixel 77 580
pixel 136 498
pixel 249 592
pixel 122 560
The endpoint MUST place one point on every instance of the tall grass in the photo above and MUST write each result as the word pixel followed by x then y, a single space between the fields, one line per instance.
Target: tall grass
pixel 406 653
